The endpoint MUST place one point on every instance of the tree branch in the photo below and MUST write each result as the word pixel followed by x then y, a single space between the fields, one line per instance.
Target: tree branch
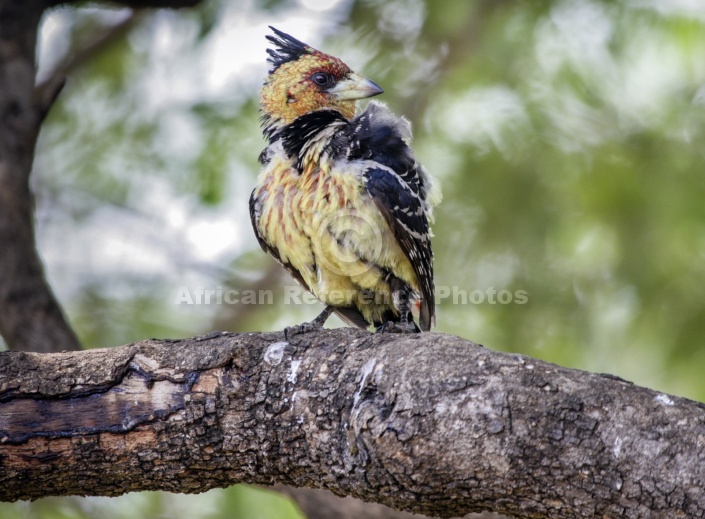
pixel 137 4
pixel 30 316
pixel 48 89
pixel 426 423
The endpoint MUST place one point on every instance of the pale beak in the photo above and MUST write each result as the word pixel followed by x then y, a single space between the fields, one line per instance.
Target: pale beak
pixel 354 86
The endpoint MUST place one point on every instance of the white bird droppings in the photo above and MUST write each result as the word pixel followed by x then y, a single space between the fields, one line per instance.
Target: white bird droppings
pixel 295 364
pixel 275 352
pixel 664 399
pixel 366 370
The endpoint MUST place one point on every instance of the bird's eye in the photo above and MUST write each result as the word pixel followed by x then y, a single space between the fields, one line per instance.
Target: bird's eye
pixel 322 79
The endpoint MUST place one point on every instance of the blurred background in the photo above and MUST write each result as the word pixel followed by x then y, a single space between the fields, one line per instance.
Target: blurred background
pixel 567 136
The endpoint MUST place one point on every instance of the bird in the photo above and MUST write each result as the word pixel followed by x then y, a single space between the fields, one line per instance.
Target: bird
pixel 341 202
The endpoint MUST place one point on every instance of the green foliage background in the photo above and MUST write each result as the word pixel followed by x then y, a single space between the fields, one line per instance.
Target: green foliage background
pixel 567 137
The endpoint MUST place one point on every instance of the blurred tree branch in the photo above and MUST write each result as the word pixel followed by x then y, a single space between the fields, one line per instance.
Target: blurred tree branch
pixel 85 52
pixel 30 315
pixel 31 318
pixel 425 423
pixel 149 4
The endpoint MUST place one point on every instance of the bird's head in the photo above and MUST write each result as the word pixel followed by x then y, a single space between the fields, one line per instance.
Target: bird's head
pixel 303 79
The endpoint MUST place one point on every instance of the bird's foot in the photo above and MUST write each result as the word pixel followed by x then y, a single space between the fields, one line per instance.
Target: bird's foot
pixel 399 327
pixel 311 326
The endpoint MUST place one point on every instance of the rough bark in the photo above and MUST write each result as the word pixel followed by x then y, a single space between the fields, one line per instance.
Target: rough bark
pixel 425 423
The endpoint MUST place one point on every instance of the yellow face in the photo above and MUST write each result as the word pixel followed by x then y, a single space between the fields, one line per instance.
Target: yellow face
pixel 313 82
pixel 299 87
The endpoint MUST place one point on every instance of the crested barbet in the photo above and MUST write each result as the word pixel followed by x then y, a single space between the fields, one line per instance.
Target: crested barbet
pixel 341 202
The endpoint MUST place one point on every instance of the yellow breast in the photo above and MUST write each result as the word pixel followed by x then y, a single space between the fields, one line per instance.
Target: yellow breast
pixel 323 223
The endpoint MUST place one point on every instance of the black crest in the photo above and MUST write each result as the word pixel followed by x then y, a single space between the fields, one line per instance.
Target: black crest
pixel 287 49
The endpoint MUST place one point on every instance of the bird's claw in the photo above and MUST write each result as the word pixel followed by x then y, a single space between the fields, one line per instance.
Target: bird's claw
pixel 315 325
pixel 311 326
pixel 392 327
